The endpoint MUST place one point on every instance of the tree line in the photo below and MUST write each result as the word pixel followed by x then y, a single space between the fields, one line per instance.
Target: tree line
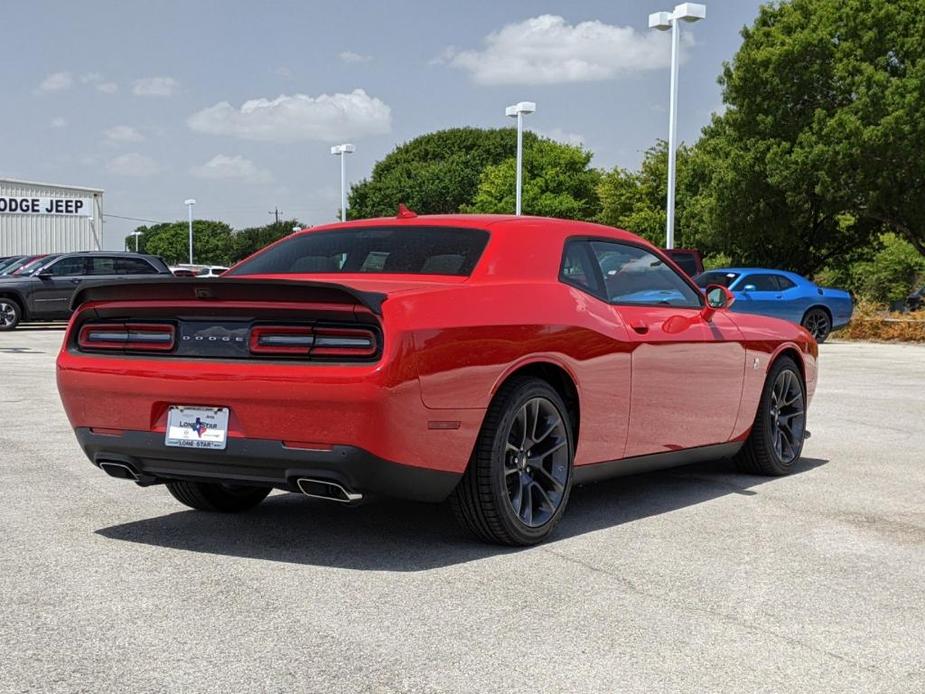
pixel 814 164
pixel 214 242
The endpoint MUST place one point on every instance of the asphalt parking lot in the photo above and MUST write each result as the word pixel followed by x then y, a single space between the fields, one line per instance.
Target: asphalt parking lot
pixel 695 579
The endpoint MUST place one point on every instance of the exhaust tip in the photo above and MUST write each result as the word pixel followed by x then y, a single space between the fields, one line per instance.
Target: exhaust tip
pixel 326 489
pixel 121 471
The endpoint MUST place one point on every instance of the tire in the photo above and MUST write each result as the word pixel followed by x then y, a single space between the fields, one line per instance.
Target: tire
pixel 10 313
pixel 769 450
pixel 221 498
pixel 818 323
pixel 518 481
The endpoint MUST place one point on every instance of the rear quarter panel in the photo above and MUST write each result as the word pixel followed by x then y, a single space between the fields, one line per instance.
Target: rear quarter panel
pixel 468 340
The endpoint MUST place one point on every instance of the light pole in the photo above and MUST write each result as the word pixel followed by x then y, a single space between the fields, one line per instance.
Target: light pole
pixel 136 234
pixel 342 151
pixel 517 111
pixel 189 204
pixel 663 21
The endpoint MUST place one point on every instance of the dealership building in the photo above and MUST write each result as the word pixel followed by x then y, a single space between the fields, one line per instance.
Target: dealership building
pixel 47 218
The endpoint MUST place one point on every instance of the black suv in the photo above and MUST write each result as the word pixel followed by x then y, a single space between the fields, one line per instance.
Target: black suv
pixel 45 293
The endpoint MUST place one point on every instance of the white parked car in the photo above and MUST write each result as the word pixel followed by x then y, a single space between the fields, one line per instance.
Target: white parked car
pixel 211 271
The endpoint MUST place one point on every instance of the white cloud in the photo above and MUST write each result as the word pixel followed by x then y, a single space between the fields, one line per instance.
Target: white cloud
pixel 58 122
pixel 155 86
pixel 123 133
pixel 548 50
pixel 107 87
pixel 91 78
pixel 57 82
pixel 351 57
pixel 297 118
pixel 222 166
pixel 133 164
pixel 560 135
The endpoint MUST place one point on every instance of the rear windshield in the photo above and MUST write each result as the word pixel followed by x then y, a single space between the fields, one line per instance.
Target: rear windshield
pixel 724 278
pixel 382 250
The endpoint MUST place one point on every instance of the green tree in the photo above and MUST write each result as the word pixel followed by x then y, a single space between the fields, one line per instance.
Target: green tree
pixel 558 181
pixel 819 149
pixel 213 243
pixel 636 200
pixel 250 240
pixel 888 274
pixel 437 173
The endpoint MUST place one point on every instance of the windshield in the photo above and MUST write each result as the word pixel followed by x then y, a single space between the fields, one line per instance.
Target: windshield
pixel 373 250
pixel 32 267
pixel 15 265
pixel 722 278
pixel 6 262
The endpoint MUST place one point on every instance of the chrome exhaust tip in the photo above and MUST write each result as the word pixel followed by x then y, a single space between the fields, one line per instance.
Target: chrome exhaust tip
pixel 118 470
pixel 326 489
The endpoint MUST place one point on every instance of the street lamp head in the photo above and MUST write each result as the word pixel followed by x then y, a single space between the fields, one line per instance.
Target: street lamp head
pixel 686 12
pixel 343 149
pixel 522 107
pixel 660 21
pixel 191 201
pixel 690 12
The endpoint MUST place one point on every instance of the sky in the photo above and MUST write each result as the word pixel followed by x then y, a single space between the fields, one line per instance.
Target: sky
pixel 237 104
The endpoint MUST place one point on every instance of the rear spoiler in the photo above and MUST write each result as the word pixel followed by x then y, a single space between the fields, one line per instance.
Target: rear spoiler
pixel 220 289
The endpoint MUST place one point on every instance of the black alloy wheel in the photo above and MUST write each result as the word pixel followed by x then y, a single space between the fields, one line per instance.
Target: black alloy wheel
pixel 775 442
pixel 536 462
pixel 818 323
pixel 517 484
pixel 788 416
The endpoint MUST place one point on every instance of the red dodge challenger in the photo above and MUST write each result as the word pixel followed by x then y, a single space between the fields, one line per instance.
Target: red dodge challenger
pixel 492 360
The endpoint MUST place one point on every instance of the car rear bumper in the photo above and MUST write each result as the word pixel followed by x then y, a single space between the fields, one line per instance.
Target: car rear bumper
pixel 265 462
pixel 308 407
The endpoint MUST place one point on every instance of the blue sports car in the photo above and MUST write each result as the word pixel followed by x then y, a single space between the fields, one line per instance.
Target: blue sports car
pixel 784 295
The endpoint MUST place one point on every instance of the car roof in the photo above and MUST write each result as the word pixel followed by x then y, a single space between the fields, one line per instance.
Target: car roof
pixel 512 248
pixel 758 271
pixel 492 222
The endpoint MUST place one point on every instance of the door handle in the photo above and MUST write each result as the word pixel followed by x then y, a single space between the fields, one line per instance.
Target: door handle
pixel 75 281
pixel 639 326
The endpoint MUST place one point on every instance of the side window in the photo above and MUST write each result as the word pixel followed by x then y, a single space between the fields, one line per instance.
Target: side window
pixel 102 266
pixel 67 267
pixel 633 275
pixel 578 268
pixel 784 283
pixel 761 283
pixel 134 266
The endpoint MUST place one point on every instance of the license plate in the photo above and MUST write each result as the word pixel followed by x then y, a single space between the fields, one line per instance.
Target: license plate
pixel 197 427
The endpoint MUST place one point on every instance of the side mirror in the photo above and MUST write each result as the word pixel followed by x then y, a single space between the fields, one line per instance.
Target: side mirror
pixel 44 274
pixel 749 288
pixel 718 298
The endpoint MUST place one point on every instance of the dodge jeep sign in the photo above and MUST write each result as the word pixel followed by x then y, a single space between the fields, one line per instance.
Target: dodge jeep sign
pixel 69 207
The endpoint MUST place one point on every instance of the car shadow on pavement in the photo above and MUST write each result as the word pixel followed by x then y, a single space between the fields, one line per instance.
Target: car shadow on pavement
pixel 392 535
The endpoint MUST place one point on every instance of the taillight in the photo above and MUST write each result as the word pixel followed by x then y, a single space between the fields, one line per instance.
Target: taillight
pixel 136 337
pixel 312 342
pixel 282 339
pixel 344 342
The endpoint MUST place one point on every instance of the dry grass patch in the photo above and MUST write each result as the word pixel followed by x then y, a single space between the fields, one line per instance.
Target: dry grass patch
pixel 872 322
